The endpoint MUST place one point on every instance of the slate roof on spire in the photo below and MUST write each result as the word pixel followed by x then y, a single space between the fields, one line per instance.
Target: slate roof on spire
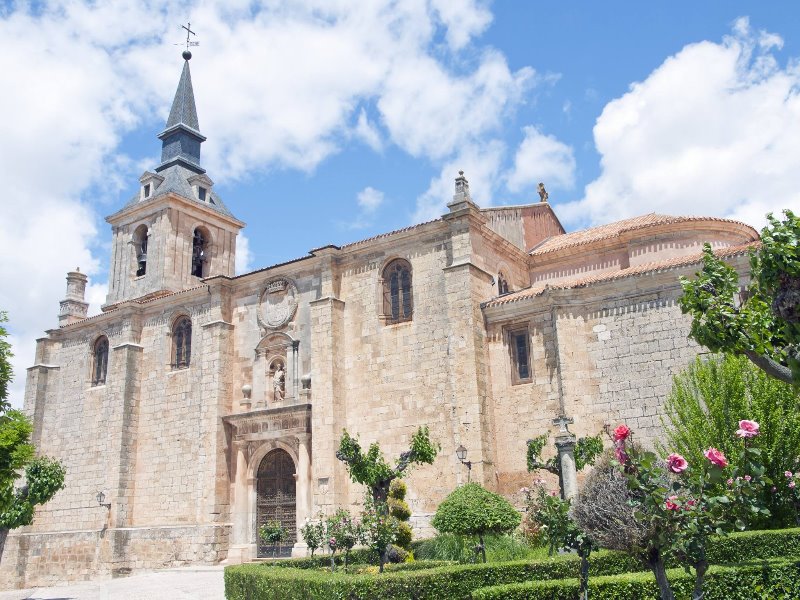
pixel 181 138
pixel 183 109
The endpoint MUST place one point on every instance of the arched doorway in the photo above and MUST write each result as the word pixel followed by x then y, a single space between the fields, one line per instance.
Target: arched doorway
pixel 276 501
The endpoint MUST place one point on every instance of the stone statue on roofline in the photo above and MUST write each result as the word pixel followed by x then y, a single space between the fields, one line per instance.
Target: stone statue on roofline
pixel 543 195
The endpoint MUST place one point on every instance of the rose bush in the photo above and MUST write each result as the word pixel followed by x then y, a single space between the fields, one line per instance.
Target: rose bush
pixel 678 506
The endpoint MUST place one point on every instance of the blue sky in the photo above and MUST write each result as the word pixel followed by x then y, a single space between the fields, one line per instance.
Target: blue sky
pixel 331 121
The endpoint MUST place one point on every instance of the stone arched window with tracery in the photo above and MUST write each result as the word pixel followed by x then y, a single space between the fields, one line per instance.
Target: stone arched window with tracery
pixel 99 361
pixel 398 301
pixel 181 343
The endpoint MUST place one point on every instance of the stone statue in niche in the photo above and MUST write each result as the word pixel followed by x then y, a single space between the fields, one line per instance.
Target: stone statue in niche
pixel 278 382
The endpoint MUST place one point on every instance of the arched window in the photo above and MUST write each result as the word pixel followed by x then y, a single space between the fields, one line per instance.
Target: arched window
pixel 140 247
pixel 100 361
pixel 397 292
pixel 181 343
pixel 199 253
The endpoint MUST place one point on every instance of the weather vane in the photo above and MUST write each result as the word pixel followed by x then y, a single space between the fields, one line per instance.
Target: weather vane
pixel 186 53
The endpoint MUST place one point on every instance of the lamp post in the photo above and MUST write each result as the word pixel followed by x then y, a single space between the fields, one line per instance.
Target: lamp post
pixel 461 453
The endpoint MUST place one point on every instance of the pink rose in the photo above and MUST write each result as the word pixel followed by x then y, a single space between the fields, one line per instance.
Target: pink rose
pixel 676 463
pixel 747 478
pixel 716 457
pixel 747 429
pixel 670 504
pixel 791 484
pixel 787 473
pixel 621 433
pixel 730 482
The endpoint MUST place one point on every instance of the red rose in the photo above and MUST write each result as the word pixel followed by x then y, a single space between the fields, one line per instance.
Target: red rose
pixel 621 433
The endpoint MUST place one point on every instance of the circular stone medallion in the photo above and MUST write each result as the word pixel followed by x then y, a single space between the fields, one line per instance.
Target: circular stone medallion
pixel 278 302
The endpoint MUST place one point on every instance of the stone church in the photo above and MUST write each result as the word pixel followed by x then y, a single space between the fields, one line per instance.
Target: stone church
pixel 199 403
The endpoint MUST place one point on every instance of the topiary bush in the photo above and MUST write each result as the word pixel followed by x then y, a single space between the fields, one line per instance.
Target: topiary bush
pixel 474 510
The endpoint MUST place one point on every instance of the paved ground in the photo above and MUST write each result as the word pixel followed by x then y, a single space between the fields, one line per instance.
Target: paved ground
pixel 190 583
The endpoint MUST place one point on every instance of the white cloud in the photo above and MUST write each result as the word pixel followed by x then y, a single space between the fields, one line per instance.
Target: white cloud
pixel 481 166
pixel 542 157
pixel 715 130
pixel 432 113
pixel 244 256
pixel 463 19
pixel 369 199
pixel 368 132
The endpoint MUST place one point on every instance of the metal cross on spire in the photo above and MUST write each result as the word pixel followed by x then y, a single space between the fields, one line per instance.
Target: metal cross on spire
pixel 186 53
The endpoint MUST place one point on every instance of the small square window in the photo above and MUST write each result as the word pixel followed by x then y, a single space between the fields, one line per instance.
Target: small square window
pixel 201 193
pixel 147 190
pixel 519 342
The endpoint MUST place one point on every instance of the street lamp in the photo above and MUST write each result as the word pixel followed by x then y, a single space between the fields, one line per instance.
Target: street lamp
pixel 100 497
pixel 461 453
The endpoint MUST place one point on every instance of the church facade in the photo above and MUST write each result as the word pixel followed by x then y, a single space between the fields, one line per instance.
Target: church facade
pixel 200 404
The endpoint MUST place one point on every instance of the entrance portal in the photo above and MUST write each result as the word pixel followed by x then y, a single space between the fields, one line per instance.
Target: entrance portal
pixel 276 501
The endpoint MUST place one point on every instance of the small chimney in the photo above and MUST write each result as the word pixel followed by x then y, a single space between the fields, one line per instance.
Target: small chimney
pixel 74 307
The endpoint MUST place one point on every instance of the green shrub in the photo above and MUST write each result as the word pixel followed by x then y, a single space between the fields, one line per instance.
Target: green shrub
pixel 473 510
pixel 768 580
pixel 706 403
pixel 403 537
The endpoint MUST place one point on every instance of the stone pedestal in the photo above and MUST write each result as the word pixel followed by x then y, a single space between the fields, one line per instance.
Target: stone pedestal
pixel 565 444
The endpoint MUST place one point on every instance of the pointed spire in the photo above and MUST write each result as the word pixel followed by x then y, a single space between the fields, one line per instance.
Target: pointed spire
pixel 183 109
pixel 181 137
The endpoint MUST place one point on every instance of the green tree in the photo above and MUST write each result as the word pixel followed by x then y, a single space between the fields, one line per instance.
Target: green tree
pixel 706 403
pixel 763 323
pixel 313 534
pixel 473 510
pixel 372 470
pixel 273 533
pixel 342 533
pixel 43 476
pixel 559 530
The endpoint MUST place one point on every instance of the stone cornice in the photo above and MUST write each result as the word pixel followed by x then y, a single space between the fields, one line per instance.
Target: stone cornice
pixel 135 212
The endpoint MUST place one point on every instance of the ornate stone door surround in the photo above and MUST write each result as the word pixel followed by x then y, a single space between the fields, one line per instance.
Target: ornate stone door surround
pixel 253 435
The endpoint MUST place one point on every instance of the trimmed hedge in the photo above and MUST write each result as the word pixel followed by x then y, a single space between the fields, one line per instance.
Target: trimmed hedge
pixel 456 581
pixel 778 578
pixel 754 545
pixel 320 561
pixel 280 581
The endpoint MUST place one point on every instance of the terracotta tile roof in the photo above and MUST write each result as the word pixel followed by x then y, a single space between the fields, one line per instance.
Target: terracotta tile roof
pixel 143 300
pixel 586 280
pixel 389 233
pixel 602 232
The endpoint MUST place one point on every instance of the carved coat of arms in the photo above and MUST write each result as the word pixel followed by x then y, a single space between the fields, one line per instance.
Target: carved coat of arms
pixel 278 303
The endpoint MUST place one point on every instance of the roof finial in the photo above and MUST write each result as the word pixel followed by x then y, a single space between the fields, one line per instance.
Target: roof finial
pixel 187 55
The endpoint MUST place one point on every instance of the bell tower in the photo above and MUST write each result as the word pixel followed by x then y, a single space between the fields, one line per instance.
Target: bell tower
pixel 176 230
